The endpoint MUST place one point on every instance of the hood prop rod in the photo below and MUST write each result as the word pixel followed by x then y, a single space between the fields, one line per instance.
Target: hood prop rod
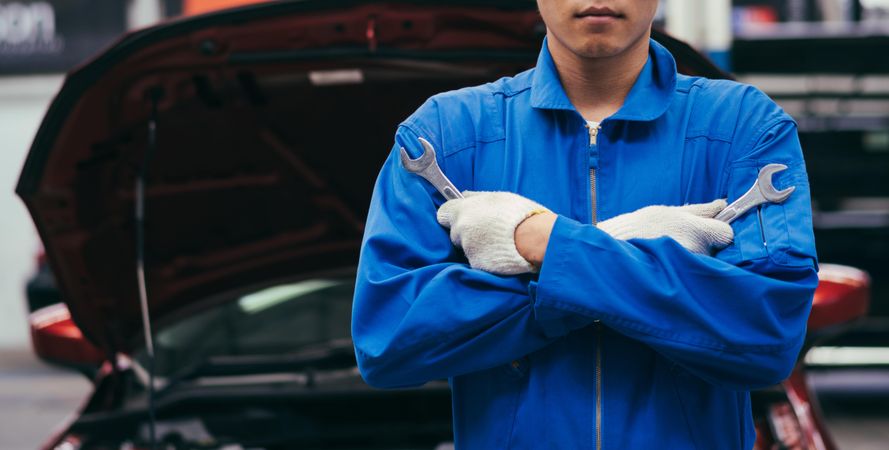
pixel 154 95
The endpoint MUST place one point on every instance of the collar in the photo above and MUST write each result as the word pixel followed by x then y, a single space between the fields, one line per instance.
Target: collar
pixel 648 99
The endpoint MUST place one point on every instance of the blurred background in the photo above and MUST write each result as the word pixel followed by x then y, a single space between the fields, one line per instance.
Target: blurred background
pixel 825 61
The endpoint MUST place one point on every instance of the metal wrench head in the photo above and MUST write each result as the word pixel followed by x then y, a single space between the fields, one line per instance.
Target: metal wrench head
pixel 427 167
pixel 420 164
pixel 767 189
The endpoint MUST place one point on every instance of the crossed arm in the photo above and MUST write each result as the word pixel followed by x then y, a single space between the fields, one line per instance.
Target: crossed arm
pixel 421 313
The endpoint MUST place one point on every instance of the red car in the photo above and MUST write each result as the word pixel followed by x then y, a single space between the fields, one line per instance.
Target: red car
pixel 186 179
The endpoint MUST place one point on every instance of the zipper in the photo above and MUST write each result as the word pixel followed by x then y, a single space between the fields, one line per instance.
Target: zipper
pixel 594 136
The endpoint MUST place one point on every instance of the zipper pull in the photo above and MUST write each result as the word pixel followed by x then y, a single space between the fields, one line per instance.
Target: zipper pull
pixel 594 133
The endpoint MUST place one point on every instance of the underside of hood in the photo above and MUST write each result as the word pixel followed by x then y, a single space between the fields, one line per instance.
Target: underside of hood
pixel 263 129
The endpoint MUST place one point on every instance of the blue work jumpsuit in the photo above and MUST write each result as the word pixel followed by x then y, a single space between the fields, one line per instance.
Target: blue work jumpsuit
pixel 615 344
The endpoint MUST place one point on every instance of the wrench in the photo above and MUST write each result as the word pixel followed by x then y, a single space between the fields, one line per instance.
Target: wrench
pixel 427 167
pixel 761 192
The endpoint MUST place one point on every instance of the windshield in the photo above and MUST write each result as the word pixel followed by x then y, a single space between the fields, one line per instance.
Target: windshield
pixel 275 320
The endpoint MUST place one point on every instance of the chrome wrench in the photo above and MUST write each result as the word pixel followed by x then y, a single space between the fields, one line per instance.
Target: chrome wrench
pixel 427 167
pixel 761 192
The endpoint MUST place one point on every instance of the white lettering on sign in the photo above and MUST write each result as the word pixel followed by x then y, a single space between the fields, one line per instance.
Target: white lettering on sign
pixel 28 28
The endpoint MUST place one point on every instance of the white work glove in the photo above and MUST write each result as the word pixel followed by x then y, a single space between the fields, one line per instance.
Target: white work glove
pixel 692 226
pixel 483 223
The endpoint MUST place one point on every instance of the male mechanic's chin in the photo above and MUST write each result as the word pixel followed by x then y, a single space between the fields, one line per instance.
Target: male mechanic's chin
pixel 597 29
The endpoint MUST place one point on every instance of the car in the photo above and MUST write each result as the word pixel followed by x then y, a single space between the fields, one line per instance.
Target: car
pixel 200 188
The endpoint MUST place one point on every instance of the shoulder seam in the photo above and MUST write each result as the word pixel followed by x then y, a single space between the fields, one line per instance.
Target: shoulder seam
pixel 732 161
pixel 506 93
pixel 709 138
pixel 767 125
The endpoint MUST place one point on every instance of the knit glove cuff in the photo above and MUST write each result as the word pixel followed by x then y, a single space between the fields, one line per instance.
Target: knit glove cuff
pixel 483 224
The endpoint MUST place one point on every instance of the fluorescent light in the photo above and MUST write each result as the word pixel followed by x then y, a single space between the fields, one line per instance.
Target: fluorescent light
pixel 832 356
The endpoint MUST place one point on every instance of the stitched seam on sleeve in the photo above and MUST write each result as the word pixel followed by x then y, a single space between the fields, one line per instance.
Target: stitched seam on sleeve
pixel 767 126
pixel 732 162
pixel 414 127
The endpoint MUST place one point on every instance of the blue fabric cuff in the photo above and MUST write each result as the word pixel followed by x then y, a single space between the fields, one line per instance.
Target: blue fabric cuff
pixel 556 318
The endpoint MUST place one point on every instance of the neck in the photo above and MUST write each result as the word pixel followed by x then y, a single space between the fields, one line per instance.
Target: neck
pixel 597 87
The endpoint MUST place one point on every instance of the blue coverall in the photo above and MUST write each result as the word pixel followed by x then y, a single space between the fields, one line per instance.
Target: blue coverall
pixel 615 344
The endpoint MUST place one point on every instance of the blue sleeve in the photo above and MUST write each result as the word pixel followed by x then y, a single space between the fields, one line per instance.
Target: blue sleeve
pixel 737 319
pixel 420 312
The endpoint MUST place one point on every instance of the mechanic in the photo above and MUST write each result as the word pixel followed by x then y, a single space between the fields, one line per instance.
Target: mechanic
pixel 581 295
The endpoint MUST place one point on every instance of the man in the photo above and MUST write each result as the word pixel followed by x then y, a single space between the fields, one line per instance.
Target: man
pixel 581 316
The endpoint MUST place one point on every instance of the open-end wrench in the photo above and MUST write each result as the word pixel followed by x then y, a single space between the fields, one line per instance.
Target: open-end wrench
pixel 761 192
pixel 427 167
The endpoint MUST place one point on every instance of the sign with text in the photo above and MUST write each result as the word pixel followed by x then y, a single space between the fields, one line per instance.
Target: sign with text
pixel 55 35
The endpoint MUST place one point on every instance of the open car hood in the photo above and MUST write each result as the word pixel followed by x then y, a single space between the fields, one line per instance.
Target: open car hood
pixel 270 124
